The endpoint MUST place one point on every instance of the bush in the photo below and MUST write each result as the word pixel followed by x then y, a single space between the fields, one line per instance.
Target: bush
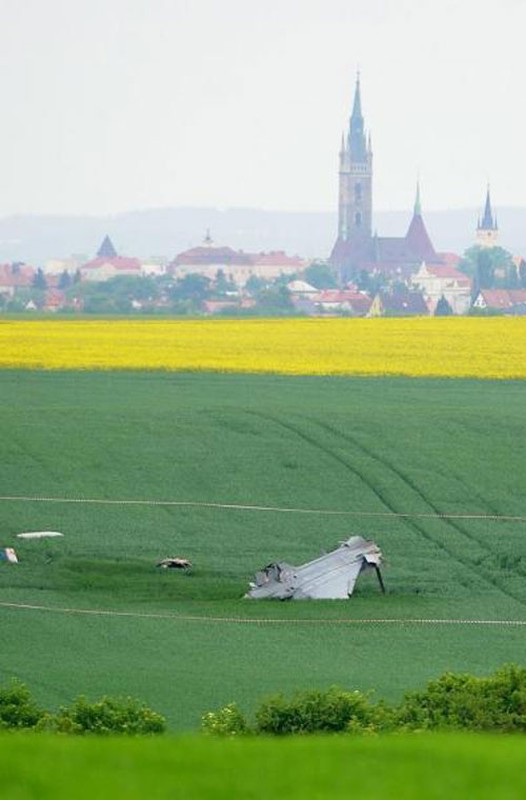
pixel 17 708
pixel 319 711
pixel 227 721
pixel 494 703
pixel 121 715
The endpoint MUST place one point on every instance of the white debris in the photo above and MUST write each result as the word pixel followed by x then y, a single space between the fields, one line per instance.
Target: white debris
pixel 9 555
pixel 39 535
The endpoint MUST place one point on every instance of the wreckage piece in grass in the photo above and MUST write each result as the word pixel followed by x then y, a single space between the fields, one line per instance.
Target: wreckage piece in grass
pixel 331 577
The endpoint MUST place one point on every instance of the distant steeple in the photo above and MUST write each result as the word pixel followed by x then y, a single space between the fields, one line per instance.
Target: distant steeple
pixel 357 141
pixel 357 104
pixel 106 250
pixel 417 211
pixel 487 228
pixel 208 241
pixel 488 222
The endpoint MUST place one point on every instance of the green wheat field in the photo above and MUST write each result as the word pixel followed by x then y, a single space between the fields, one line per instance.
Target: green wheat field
pixel 92 614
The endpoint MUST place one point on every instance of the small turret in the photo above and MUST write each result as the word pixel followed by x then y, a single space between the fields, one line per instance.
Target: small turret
pixel 487 228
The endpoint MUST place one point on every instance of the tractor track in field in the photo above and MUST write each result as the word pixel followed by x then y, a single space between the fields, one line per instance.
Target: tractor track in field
pixel 419 528
pixel 456 526
pixel 160 615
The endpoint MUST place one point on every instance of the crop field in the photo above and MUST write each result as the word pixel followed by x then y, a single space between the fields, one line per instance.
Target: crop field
pixel 234 471
pixel 454 347
pixel 435 767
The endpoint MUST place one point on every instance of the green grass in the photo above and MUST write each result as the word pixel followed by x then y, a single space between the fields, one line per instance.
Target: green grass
pixel 370 445
pixel 427 767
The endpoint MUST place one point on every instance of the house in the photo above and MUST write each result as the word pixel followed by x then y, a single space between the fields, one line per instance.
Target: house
pixel 443 280
pixel 236 265
pixel 505 301
pixel 108 264
pixel 401 302
pixel 347 301
pixel 15 276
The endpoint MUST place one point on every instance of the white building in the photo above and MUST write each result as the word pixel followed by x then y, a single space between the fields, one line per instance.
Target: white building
pixel 442 280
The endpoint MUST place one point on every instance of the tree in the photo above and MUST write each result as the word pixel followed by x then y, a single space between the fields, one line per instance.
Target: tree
pixel 443 308
pixel 193 287
pixel 39 280
pixel 65 280
pixel 222 285
pixel 489 267
pixel 320 275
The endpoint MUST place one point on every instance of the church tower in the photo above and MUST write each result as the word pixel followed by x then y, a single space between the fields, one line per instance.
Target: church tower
pixel 356 178
pixel 487 228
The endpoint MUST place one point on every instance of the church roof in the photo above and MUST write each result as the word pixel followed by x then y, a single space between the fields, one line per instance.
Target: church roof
pixel 418 240
pixel 106 250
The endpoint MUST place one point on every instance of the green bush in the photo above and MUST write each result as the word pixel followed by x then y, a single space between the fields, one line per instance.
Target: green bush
pixel 319 711
pixel 227 721
pixel 121 715
pixel 17 707
pixel 493 703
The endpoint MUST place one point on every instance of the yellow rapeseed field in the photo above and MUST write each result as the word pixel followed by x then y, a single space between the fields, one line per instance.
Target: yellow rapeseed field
pixel 456 347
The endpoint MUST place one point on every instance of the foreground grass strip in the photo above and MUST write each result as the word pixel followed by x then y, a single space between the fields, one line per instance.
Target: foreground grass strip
pixel 425 767
pixel 459 347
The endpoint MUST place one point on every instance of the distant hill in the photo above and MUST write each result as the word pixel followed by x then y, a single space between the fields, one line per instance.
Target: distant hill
pixel 165 232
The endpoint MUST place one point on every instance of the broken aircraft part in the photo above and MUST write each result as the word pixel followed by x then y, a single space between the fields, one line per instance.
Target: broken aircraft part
pixel 175 563
pixel 330 577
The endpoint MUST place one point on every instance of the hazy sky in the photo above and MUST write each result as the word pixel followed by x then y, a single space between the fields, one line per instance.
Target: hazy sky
pixel 110 105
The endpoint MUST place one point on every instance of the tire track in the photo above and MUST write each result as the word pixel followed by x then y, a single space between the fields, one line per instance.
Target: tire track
pixel 418 528
pixel 408 481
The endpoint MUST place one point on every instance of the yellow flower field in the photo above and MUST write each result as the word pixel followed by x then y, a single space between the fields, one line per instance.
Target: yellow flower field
pixel 476 347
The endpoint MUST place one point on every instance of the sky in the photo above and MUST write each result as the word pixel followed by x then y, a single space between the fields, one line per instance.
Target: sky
pixel 115 105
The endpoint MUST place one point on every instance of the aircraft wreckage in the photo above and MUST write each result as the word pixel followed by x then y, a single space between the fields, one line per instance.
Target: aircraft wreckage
pixel 331 577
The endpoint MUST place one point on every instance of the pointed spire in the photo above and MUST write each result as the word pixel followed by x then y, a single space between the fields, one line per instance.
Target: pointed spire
pixel 417 211
pixel 106 250
pixel 208 241
pixel 357 105
pixel 488 223
pixel 357 142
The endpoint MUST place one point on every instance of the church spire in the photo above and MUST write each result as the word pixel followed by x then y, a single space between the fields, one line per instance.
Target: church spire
pixel 357 141
pixel 357 104
pixel 417 211
pixel 488 222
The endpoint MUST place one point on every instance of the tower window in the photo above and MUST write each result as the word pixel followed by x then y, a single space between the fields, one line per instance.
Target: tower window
pixel 357 219
pixel 358 192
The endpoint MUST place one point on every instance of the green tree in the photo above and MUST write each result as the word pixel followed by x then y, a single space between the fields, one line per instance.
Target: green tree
pixel 489 267
pixel 320 275
pixel 193 287
pixel 222 285
pixel 65 280
pixel 39 280
pixel 443 308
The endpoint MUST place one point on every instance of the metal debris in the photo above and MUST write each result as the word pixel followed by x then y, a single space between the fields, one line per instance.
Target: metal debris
pixel 330 577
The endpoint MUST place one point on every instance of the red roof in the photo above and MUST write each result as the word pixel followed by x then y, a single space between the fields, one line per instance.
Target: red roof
pixel 202 256
pixel 16 275
pixel 117 262
pixel 418 240
pixel 452 259
pixel 448 271
pixel 276 259
pixel 503 298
